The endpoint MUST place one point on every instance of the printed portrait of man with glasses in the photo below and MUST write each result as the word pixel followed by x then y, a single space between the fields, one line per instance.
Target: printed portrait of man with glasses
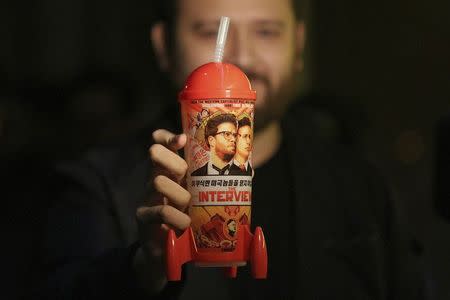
pixel 220 137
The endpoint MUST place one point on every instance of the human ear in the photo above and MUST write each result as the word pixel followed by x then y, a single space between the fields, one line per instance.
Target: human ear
pixel 300 37
pixel 211 141
pixel 158 38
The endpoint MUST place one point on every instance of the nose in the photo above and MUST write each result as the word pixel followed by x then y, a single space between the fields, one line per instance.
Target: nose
pixel 240 49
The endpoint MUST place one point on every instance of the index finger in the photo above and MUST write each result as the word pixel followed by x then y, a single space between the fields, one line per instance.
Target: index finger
pixel 168 139
pixel 163 214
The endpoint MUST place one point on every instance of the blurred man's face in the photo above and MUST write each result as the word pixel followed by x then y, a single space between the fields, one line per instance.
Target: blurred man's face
pixel 264 40
pixel 244 141
pixel 224 142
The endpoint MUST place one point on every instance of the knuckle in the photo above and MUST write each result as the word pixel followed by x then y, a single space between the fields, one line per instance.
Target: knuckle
pixel 186 198
pixel 156 135
pixel 184 167
pixel 188 221
pixel 164 213
pixel 154 151
pixel 144 215
pixel 139 213
pixel 158 181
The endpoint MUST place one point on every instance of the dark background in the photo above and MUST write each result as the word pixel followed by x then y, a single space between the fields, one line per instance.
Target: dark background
pixel 85 74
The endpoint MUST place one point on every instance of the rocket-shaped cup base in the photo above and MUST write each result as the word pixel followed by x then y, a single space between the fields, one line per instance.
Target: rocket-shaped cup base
pixel 249 248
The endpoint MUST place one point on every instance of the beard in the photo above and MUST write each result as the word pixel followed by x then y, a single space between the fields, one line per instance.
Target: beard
pixel 276 101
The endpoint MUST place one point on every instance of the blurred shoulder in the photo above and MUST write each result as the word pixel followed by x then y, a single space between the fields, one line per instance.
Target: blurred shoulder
pixel 334 163
pixel 329 118
pixel 109 163
pixel 316 132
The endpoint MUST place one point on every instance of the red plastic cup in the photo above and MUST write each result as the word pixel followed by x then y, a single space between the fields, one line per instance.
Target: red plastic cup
pixel 217 109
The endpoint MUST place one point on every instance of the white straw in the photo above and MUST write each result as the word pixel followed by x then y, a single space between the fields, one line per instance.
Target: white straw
pixel 221 39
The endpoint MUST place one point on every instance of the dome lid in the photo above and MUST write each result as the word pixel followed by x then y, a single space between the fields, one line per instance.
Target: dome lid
pixel 217 81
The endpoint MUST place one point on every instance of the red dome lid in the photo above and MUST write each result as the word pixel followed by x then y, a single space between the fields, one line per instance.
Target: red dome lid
pixel 217 81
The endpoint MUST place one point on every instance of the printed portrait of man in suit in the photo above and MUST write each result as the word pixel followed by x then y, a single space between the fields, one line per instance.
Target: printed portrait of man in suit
pixel 220 137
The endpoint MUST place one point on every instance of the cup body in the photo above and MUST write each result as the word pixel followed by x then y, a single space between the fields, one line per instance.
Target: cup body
pixel 217 117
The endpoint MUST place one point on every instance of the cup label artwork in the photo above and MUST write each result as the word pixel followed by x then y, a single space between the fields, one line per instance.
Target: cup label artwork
pixel 220 172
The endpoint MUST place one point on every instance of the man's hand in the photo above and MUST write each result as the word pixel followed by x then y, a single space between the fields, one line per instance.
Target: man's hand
pixel 166 209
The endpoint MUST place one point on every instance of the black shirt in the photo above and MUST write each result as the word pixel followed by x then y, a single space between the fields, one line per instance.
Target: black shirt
pixel 272 209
